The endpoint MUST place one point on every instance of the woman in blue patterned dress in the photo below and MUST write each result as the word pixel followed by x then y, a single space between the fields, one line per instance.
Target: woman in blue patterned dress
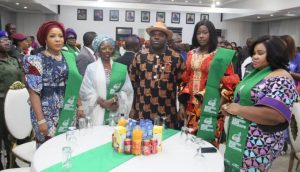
pixel 46 75
pixel 269 115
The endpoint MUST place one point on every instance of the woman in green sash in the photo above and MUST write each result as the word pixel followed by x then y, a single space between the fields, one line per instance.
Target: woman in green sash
pixel 106 89
pixel 195 77
pixel 47 76
pixel 262 109
pixel 70 45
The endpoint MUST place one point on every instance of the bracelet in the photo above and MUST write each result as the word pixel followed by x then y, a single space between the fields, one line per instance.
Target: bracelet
pixel 80 108
pixel 115 99
pixel 41 121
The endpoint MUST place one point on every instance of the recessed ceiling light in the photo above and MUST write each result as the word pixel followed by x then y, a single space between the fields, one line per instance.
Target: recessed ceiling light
pixel 172 0
pixel 218 3
pixel 17 3
pixel 186 1
pixel 25 7
pixel 200 2
pixel 258 17
pixel 213 5
pixel 271 15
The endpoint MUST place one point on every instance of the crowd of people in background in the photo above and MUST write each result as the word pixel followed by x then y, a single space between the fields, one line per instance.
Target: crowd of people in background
pixel 158 79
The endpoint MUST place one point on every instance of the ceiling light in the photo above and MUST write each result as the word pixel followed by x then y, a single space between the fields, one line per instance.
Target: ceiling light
pixel 271 15
pixel 258 17
pixel 213 5
pixel 25 7
pixel 218 3
pixel 200 2
pixel 186 1
pixel 291 14
pixel 172 0
pixel 17 3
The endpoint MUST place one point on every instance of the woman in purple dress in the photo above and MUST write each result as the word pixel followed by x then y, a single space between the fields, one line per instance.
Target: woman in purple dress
pixel 265 106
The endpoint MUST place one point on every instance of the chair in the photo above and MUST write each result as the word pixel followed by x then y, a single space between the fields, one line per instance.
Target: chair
pixel 294 130
pixel 17 118
pixel 24 169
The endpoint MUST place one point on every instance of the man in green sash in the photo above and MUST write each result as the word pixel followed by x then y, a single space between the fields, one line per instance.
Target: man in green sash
pixel 262 109
pixel 106 89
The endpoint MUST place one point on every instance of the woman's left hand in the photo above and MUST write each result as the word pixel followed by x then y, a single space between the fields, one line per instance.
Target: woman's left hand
pixel 230 108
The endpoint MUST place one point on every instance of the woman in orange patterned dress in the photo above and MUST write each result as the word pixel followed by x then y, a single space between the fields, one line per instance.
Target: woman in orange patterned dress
pixel 194 78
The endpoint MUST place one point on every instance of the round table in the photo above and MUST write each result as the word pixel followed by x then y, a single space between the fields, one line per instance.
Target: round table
pixel 178 154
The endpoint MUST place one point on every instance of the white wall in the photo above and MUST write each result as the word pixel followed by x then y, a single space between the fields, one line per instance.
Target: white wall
pixel 280 27
pixel 28 23
pixel 6 17
pixel 234 31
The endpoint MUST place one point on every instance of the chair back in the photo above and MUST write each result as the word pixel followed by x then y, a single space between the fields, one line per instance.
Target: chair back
pixel 294 128
pixel 17 111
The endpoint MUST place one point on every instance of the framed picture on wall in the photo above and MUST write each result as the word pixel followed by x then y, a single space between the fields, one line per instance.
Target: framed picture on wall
pixel 114 15
pixel 81 14
pixel 129 16
pixel 175 17
pixel 204 16
pixel 160 16
pixel 145 16
pixel 123 32
pixel 190 18
pixel 98 15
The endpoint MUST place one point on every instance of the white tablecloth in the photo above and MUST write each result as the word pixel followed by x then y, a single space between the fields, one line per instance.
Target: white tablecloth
pixel 177 154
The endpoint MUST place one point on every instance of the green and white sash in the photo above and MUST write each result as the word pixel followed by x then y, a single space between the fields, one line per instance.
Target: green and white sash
pixel 238 126
pixel 71 95
pixel 75 51
pixel 211 101
pixel 117 80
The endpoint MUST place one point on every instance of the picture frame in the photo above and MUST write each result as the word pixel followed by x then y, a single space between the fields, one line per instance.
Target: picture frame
pixel 175 17
pixel 98 15
pixel 129 16
pixel 81 14
pixel 190 18
pixel 145 16
pixel 113 15
pixel 161 16
pixel 204 16
pixel 123 32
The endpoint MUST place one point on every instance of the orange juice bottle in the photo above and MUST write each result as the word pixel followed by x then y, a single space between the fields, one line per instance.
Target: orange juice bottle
pixel 122 122
pixel 137 136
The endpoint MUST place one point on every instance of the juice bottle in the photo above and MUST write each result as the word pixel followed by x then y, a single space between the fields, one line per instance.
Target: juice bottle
pixel 122 122
pixel 137 135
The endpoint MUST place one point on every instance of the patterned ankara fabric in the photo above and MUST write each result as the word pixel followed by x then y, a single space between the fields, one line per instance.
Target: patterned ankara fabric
pixel 195 75
pixel 47 77
pixel 155 79
pixel 263 147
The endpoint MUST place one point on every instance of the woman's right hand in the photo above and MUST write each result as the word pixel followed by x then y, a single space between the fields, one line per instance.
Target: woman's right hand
pixel 43 129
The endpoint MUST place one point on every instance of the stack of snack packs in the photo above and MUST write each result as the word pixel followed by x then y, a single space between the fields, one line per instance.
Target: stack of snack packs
pixel 119 137
pixel 157 134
